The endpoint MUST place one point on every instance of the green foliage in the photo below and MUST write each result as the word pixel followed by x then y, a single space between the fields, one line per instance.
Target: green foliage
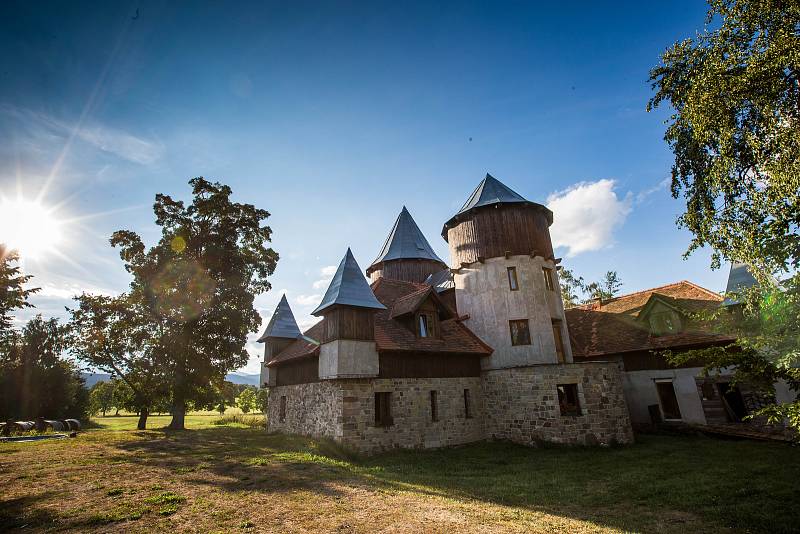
pixel 262 399
pixel 101 398
pixel 247 400
pixel 13 294
pixel 35 381
pixel 575 290
pixel 193 291
pixel 116 334
pixel 735 132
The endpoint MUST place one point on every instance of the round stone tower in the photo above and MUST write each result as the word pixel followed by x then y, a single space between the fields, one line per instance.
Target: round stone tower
pixel 505 277
pixel 406 254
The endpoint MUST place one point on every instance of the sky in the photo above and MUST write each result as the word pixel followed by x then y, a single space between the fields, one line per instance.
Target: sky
pixel 333 116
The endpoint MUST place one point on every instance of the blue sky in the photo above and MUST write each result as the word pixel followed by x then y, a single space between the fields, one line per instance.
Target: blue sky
pixel 333 116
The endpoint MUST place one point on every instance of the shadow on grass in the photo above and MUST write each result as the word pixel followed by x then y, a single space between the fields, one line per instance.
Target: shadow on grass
pixel 23 512
pixel 663 483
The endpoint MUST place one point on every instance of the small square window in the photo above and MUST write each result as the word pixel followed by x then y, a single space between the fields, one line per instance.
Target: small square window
pixel 282 414
pixel 383 409
pixel 467 405
pixel 513 283
pixel 568 399
pixel 434 406
pixel 549 284
pixel 520 334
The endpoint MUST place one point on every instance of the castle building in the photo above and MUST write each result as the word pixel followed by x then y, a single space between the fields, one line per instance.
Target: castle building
pixel 429 355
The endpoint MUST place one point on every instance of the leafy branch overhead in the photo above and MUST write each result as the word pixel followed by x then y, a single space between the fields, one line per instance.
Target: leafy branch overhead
pixel 735 132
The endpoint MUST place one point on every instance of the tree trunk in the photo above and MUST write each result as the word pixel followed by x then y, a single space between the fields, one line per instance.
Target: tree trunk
pixel 117 412
pixel 104 412
pixel 142 424
pixel 178 415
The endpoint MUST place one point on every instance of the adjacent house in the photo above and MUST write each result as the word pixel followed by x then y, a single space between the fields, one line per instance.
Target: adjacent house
pixel 632 329
pixel 431 355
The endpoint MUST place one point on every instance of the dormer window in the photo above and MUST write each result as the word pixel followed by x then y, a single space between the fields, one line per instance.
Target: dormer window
pixel 423 325
pixel 426 324
pixel 665 322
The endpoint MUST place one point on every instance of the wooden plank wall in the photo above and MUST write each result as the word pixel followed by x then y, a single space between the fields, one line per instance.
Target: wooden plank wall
pixel 425 365
pixel 300 371
pixel 408 270
pixel 343 322
pixel 492 231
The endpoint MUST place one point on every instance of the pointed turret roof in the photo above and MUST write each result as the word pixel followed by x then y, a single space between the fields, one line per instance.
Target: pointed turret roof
pixel 489 192
pixel 405 241
pixel 349 288
pixel 739 278
pixel 282 323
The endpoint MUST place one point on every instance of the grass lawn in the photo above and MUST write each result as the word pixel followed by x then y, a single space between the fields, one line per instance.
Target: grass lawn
pixel 225 478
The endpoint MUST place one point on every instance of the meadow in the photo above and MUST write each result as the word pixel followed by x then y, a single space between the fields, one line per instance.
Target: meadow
pixel 232 477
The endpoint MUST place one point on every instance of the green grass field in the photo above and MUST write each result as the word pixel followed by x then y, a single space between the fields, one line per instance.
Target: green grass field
pixel 194 420
pixel 229 478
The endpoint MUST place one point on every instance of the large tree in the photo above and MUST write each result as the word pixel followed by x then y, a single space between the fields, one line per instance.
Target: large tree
pixel 121 336
pixel 735 133
pixel 198 283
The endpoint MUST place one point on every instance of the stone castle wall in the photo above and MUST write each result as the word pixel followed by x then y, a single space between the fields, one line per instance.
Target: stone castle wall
pixel 313 409
pixel 522 405
pixel 518 404
pixel 411 413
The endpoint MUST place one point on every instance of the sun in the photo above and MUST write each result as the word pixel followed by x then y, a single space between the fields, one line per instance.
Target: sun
pixel 29 227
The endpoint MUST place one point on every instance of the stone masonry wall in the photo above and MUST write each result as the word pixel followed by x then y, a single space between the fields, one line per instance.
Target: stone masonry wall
pixel 313 409
pixel 411 413
pixel 522 404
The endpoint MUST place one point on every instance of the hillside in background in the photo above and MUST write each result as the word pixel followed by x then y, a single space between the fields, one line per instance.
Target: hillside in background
pixel 237 378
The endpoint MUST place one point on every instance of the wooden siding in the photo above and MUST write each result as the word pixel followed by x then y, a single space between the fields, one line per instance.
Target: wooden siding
pixel 492 232
pixel 408 270
pixel 426 365
pixel 300 371
pixel 343 322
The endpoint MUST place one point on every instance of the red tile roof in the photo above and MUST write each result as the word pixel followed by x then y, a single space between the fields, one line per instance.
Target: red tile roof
pixel 394 335
pixel 632 303
pixel 613 328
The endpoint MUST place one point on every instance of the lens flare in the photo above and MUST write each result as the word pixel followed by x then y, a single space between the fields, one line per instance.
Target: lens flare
pixel 28 227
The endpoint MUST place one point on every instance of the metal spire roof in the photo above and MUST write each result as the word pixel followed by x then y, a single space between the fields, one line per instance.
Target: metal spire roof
pixel 489 192
pixel 405 241
pixel 739 278
pixel 349 288
pixel 282 323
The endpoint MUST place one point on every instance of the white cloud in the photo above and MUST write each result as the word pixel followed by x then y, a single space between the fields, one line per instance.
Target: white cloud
pixel 327 274
pixel 586 215
pixel 308 300
pixel 663 184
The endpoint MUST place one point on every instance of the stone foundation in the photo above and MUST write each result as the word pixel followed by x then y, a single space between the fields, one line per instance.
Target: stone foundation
pixel 313 409
pixel 522 405
pixel 518 404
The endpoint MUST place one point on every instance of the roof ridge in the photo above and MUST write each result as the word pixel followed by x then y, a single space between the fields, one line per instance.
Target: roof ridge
pixel 588 305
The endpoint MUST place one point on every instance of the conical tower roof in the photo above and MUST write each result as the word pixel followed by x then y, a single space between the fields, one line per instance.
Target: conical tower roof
pixel 282 323
pixel 405 241
pixel 739 278
pixel 489 192
pixel 349 288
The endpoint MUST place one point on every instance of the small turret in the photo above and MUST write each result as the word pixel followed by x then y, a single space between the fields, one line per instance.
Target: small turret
pixel 348 336
pixel 406 254
pixel 281 331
